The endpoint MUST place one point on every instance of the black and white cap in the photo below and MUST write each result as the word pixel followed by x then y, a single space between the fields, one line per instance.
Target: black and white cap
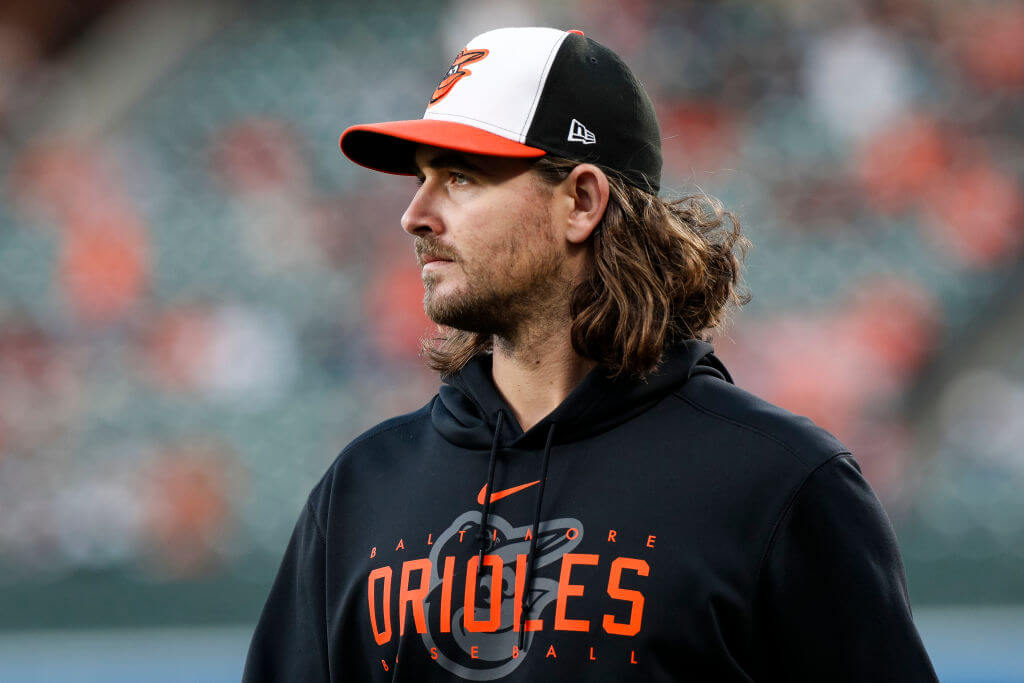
pixel 527 92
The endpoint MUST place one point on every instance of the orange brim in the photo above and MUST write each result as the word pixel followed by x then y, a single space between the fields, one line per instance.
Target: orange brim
pixel 389 147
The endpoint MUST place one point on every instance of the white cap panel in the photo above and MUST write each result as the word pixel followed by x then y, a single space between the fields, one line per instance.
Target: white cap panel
pixel 501 91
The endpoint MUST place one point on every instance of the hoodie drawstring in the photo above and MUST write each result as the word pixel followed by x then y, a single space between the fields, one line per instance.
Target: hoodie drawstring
pixel 483 537
pixel 534 532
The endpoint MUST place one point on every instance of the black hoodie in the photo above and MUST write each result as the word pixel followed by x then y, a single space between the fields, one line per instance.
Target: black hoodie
pixel 678 529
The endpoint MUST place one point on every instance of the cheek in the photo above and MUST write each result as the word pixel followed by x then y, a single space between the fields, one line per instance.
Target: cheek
pixel 514 230
pixel 485 238
pixel 531 234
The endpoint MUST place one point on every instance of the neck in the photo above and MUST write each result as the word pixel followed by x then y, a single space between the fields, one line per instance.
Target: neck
pixel 537 372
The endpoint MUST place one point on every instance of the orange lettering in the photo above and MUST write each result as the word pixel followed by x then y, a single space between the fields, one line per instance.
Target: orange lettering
pixel 611 535
pixel 433 653
pixel 592 657
pixel 416 597
pixel 517 601
pixel 515 652
pixel 571 533
pixel 566 590
pixel 385 665
pixel 551 652
pixel 529 534
pixel 401 545
pixel 430 539
pixel 650 541
pixel 636 612
pixel 474 651
pixel 462 532
pixel 446 594
pixel 381 636
pixel 632 656
pixel 469 611
pixel 373 552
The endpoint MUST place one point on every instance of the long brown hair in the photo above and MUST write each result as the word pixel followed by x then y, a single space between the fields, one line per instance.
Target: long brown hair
pixel 662 271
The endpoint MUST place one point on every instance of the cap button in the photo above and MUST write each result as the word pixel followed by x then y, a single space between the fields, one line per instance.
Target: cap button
pixel 576 31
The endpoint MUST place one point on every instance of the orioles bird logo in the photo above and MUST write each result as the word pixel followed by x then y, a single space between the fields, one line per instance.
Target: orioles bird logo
pixel 455 72
pixel 492 656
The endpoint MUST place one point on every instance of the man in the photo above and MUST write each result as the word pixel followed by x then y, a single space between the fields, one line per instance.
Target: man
pixel 589 496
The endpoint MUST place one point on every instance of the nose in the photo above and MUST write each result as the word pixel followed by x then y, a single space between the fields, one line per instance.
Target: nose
pixel 420 216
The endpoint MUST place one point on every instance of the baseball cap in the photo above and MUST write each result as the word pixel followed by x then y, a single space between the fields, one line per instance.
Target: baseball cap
pixel 527 92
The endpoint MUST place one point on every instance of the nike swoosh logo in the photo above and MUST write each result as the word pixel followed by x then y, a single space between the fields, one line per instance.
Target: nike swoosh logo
pixel 498 495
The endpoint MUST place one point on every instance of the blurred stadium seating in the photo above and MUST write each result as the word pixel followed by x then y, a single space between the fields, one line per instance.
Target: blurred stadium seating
pixel 202 301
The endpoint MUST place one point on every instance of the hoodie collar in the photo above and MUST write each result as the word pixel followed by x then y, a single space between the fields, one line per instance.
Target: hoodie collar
pixel 465 413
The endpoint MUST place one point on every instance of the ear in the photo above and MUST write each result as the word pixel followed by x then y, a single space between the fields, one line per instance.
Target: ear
pixel 587 189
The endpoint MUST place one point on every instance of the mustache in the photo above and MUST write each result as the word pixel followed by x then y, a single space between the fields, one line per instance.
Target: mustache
pixel 425 247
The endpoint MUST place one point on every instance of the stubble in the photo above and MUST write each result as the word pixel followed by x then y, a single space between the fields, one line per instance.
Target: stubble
pixel 508 294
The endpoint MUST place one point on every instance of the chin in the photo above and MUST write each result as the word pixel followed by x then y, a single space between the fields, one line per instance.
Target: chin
pixel 444 310
pixel 459 311
pixel 441 294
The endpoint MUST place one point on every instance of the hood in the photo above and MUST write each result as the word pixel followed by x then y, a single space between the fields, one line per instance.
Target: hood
pixel 466 411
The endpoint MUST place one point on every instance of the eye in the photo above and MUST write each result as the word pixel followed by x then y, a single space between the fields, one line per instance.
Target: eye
pixel 458 177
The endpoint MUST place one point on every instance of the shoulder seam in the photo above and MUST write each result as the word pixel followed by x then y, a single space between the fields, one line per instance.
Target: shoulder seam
pixel 746 426
pixel 382 430
pixel 316 492
pixel 773 536
pixel 316 523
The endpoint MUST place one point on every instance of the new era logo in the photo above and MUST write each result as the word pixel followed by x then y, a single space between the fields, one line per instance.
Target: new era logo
pixel 579 133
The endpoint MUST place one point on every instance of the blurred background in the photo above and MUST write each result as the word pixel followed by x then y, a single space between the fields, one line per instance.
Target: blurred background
pixel 202 301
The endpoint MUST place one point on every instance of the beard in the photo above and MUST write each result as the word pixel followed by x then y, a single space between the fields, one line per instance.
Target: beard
pixel 502 291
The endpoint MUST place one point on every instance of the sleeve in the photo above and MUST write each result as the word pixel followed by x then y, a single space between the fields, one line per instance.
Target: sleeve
pixel 290 641
pixel 832 599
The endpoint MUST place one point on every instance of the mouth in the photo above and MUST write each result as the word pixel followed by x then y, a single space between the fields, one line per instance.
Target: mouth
pixel 428 259
pixel 432 264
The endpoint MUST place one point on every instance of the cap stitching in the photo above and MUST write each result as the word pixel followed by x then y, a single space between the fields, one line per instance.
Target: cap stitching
pixel 540 85
pixel 471 118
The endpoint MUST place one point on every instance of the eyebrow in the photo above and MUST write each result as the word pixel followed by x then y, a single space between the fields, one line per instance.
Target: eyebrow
pixel 452 160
